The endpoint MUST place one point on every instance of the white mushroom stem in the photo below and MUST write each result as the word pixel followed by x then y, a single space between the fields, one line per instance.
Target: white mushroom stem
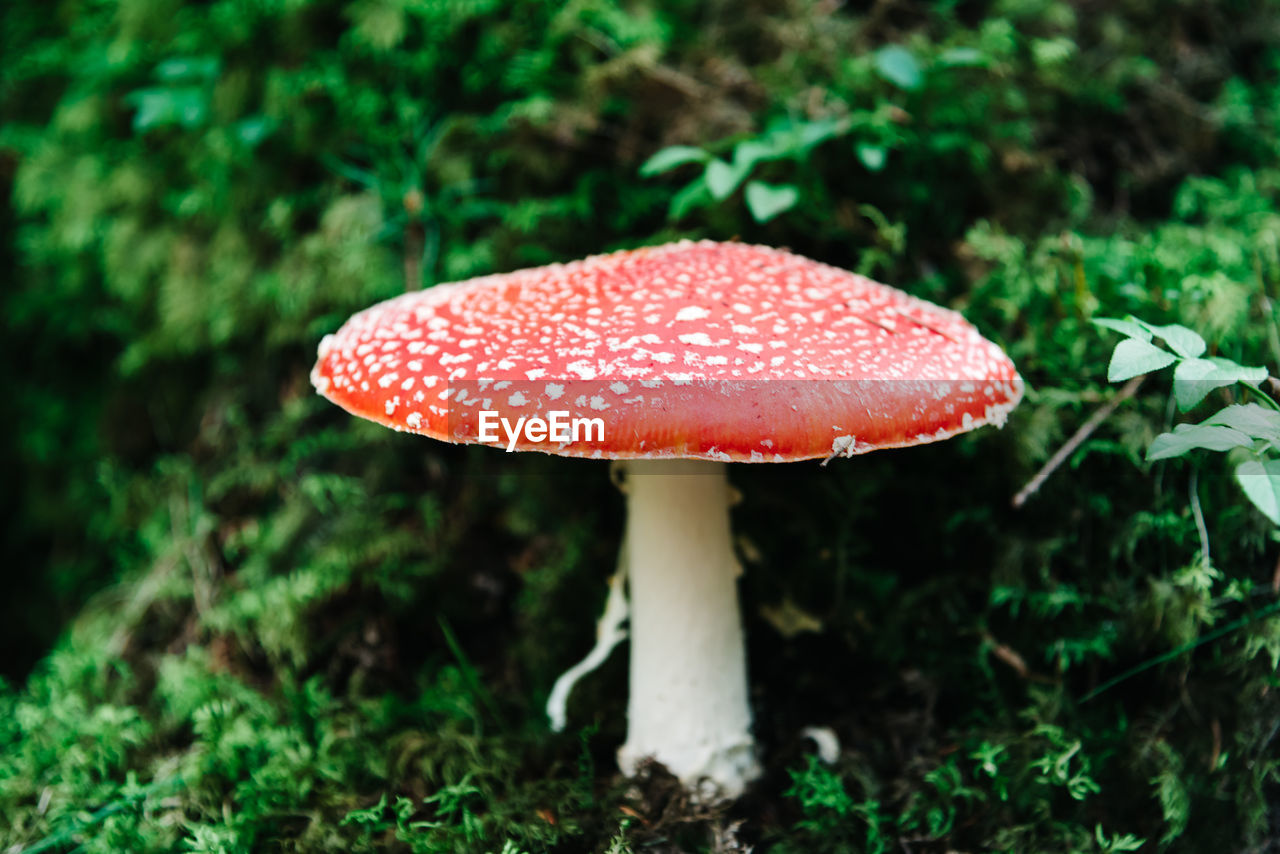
pixel 688 704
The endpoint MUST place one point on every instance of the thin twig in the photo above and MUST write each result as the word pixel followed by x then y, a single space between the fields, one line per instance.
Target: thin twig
pixel 1199 517
pixel 1215 729
pixel 1013 658
pixel 1076 441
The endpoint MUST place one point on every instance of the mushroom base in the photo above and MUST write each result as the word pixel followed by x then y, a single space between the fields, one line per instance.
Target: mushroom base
pixel 688 704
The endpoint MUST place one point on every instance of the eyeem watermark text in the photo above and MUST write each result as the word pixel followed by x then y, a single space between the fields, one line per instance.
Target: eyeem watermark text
pixel 557 427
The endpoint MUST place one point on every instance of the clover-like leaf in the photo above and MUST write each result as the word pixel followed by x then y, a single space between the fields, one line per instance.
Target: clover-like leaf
pixel 820 130
pixel 672 157
pixel 1192 437
pixel 1185 342
pixel 1240 373
pixel 1128 328
pixel 1193 379
pixel 1256 421
pixel 748 153
pixel 1261 484
pixel 765 201
pixel 1134 356
pixel 899 66
pixel 723 179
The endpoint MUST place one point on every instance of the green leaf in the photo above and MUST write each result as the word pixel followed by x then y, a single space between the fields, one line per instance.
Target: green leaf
pixel 1134 356
pixel 1256 421
pixel 1127 328
pixel 748 153
pixel 1191 437
pixel 672 157
pixel 188 68
pixel 1241 373
pixel 809 135
pixel 254 130
pixel 796 139
pixel 1193 379
pixel 872 156
pixel 958 57
pixel 693 195
pixel 722 179
pixel 765 201
pixel 185 106
pixel 897 65
pixel 815 133
pixel 1180 339
pixel 1261 484
pixel 1192 382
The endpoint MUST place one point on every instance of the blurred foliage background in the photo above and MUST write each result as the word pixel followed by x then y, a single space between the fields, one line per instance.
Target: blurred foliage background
pixel 235 619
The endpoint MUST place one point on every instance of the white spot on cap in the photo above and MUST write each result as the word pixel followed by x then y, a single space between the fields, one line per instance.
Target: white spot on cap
pixel 696 339
pixel 692 312
pixel 583 369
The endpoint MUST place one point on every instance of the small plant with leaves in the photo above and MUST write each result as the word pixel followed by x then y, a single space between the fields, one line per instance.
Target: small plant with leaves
pixel 721 178
pixel 788 140
pixel 1249 430
pixel 1117 843
pixel 831 815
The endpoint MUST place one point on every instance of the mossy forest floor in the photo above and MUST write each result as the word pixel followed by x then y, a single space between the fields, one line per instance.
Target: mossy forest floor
pixel 234 618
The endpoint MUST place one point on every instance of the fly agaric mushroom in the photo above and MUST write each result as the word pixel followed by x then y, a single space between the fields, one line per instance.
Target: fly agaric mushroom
pixel 675 360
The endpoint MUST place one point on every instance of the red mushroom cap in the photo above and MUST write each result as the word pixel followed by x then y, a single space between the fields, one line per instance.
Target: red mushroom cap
pixel 704 350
